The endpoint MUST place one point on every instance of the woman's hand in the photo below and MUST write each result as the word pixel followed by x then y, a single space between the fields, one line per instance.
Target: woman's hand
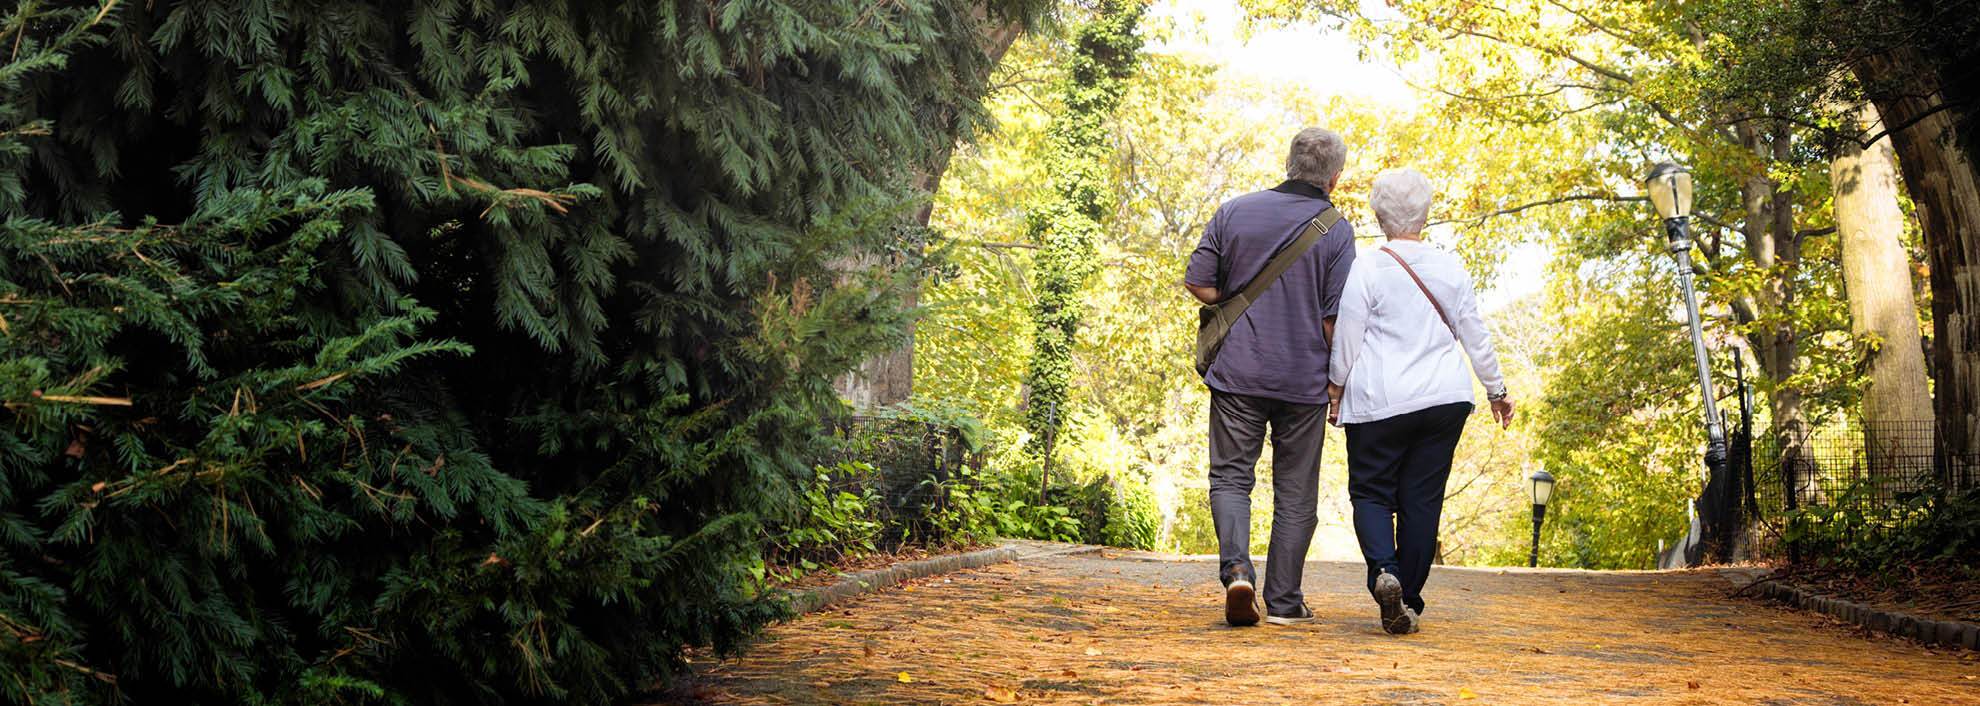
pixel 1333 404
pixel 1502 410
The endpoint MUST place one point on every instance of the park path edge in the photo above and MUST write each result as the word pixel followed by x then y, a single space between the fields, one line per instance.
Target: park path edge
pixel 1944 633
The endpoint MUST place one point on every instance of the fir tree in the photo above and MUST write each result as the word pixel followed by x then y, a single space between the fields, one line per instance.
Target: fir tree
pixel 431 352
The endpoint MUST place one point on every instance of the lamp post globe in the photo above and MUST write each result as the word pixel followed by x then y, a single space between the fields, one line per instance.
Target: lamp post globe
pixel 1669 185
pixel 1670 189
pixel 1540 486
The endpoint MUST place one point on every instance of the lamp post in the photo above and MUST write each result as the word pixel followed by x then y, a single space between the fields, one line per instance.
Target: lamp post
pixel 1670 191
pixel 1541 486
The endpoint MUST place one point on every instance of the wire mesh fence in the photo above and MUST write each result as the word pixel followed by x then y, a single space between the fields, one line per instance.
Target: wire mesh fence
pixel 1814 492
pixel 905 466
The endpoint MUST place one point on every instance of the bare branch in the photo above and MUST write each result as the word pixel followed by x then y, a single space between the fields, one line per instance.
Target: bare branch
pixel 1599 69
pixel 1480 218
pixel 1908 122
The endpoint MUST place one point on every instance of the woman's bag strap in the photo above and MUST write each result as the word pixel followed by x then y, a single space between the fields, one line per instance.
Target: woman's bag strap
pixel 1426 290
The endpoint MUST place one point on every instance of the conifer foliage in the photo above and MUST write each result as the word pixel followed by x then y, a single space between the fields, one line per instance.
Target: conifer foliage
pixel 1104 56
pixel 435 352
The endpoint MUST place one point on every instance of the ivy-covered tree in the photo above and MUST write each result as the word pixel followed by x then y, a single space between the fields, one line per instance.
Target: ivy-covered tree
pixel 1066 226
pixel 432 352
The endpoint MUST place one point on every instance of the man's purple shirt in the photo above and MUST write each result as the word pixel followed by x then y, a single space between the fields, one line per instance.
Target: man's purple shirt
pixel 1278 349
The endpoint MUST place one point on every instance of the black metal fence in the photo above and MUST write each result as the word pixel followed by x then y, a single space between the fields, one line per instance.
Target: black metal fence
pixel 1814 492
pixel 913 462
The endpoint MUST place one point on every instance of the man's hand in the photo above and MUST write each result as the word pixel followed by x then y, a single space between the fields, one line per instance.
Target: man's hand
pixel 1334 404
pixel 1502 410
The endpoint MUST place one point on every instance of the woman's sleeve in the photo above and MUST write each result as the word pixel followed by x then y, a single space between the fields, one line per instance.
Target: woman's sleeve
pixel 1349 324
pixel 1476 338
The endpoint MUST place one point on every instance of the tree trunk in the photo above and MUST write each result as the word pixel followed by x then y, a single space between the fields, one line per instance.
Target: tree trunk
pixel 1771 244
pixel 1877 276
pixel 1943 182
pixel 888 378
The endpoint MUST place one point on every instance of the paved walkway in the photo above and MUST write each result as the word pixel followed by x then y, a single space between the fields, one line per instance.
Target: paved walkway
pixel 1101 629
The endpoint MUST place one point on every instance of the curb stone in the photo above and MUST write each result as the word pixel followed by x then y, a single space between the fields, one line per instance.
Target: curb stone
pixel 863 582
pixel 1946 633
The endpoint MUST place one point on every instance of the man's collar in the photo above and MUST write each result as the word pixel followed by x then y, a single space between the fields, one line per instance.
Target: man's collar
pixel 1299 187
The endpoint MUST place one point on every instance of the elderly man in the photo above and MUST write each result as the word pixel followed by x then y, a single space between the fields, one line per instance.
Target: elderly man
pixel 1272 368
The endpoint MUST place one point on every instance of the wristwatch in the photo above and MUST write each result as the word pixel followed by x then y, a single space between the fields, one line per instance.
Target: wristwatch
pixel 1496 395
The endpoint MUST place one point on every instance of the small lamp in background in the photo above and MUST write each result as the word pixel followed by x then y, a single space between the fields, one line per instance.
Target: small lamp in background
pixel 1541 486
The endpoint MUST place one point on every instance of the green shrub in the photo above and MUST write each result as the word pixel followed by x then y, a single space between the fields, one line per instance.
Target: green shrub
pixel 838 518
pixel 1853 531
pixel 433 352
pixel 1134 520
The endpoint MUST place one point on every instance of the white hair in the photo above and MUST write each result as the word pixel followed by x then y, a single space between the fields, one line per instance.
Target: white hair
pixel 1401 199
pixel 1316 156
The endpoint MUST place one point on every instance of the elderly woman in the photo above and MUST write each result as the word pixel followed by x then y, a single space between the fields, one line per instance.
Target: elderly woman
pixel 1399 383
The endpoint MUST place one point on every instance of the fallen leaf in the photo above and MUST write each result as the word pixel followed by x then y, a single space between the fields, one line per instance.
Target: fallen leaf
pixel 1092 651
pixel 1466 695
pixel 1000 694
pixel 1692 685
pixel 904 678
pixel 822 684
pixel 1070 674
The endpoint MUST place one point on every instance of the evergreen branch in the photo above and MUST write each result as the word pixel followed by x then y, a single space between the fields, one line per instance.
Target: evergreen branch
pixel 76 399
pixel 100 14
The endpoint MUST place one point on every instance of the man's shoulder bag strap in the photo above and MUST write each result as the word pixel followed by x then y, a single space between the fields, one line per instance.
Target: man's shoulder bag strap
pixel 1218 318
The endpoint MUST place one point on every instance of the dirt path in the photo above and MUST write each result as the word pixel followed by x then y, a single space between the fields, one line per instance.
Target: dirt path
pixel 1099 629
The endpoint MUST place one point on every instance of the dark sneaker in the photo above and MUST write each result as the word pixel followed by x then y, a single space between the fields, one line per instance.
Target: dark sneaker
pixel 1240 604
pixel 1305 615
pixel 1388 594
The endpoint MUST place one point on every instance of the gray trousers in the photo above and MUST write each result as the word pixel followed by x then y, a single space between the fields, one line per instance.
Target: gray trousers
pixel 1237 435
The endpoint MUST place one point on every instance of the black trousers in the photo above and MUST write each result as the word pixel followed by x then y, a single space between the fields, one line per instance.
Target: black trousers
pixel 1397 468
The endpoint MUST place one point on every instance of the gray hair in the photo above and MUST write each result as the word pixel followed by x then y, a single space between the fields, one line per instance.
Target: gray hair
pixel 1316 157
pixel 1401 199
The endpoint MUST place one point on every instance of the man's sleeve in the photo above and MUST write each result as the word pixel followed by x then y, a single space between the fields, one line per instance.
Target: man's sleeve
pixel 1203 263
pixel 1339 263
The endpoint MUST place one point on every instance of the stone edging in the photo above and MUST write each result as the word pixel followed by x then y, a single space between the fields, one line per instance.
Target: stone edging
pixel 1949 633
pixel 861 582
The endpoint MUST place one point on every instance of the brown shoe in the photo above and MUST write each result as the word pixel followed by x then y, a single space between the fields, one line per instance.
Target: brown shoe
pixel 1240 603
pixel 1388 594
